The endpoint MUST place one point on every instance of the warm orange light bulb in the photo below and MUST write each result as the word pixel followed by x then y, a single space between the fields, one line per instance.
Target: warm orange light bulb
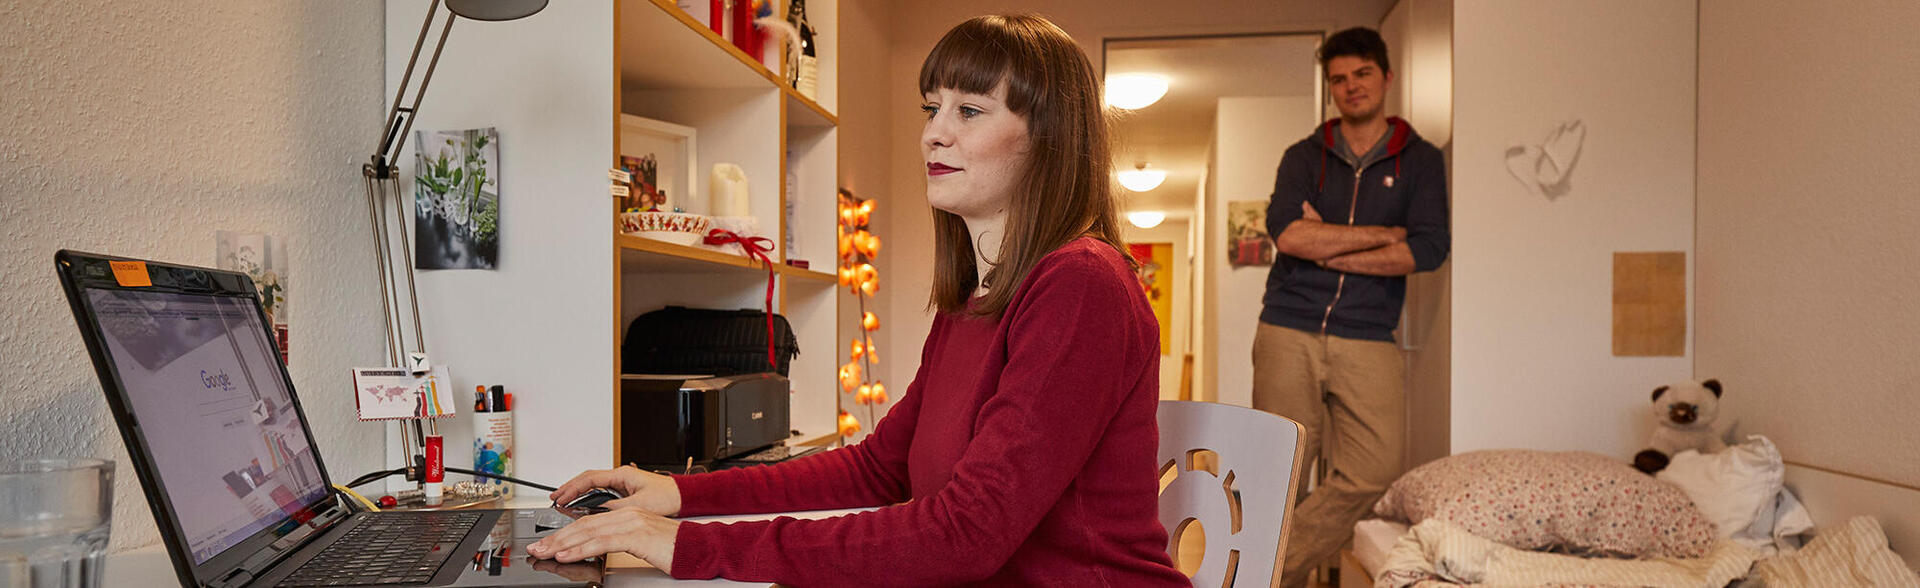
pixel 873 246
pixel 846 216
pixel 870 286
pixel 865 273
pixel 858 350
pixel 846 245
pixel 864 395
pixel 848 424
pixel 879 393
pixel 846 276
pixel 870 322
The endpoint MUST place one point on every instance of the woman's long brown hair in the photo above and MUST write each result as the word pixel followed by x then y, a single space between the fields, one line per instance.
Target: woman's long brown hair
pixel 1065 191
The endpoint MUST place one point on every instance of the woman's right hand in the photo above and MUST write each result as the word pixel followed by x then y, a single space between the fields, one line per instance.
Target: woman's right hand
pixel 642 489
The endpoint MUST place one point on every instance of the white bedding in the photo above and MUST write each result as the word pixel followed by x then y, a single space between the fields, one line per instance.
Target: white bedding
pixel 1372 540
pixel 1436 551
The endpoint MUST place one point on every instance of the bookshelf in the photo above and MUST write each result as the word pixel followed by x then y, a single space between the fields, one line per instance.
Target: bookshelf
pixel 669 66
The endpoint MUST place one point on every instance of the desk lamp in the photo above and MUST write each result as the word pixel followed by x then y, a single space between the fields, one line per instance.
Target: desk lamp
pixel 383 192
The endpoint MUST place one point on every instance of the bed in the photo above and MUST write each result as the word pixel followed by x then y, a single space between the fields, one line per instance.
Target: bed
pixel 1578 519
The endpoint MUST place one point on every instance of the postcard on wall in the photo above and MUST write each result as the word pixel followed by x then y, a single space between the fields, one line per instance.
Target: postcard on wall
pixel 263 258
pixel 395 393
pixel 456 196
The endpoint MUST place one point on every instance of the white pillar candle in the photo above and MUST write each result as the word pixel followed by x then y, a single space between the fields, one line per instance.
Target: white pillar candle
pixel 728 188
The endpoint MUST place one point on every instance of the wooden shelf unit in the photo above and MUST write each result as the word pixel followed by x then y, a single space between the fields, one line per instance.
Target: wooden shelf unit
pixel 670 67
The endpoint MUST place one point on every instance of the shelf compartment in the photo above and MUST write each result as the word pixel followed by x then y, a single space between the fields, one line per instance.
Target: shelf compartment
pixel 686 54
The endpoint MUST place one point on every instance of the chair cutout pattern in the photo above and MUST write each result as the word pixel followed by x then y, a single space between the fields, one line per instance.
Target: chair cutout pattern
pixel 1242 499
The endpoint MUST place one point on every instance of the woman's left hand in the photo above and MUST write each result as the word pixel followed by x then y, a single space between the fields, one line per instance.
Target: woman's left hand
pixel 646 535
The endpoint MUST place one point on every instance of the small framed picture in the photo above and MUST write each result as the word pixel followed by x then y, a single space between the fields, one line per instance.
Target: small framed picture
pixel 660 155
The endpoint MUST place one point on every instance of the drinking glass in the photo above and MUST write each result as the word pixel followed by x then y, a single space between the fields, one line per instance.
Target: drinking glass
pixel 54 518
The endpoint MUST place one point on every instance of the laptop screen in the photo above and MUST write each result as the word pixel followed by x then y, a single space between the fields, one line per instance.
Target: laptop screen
pixel 203 382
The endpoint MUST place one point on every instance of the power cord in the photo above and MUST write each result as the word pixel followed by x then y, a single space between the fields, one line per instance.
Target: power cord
pixel 382 475
pixel 507 478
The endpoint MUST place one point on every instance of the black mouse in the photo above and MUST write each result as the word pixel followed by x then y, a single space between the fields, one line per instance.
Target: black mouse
pixel 593 499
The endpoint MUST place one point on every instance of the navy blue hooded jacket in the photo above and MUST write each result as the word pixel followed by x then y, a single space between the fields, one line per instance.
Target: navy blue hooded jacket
pixel 1406 187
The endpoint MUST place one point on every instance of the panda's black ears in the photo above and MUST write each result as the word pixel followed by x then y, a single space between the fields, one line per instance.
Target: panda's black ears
pixel 1663 390
pixel 1713 385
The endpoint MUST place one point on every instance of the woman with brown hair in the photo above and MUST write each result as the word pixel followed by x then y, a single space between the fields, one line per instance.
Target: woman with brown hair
pixel 1023 451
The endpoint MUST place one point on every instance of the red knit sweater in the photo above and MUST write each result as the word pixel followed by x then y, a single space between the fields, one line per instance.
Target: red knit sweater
pixel 1021 454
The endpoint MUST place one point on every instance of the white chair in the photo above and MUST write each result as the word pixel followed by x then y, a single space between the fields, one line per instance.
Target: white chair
pixel 1244 504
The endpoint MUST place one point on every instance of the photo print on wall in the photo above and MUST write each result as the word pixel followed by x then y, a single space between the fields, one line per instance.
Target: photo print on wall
pixel 1247 240
pixel 456 194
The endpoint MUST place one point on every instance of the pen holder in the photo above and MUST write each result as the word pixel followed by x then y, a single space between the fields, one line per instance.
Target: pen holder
pixel 493 448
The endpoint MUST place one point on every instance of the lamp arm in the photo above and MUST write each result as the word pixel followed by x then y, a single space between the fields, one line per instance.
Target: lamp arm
pixel 400 118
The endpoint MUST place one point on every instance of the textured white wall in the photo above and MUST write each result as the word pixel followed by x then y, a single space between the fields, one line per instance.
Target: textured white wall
pixel 1807 206
pixel 1807 273
pixel 1532 277
pixel 140 129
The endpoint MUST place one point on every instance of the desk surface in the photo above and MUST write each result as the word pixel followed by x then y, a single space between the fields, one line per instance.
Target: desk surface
pixel 139 567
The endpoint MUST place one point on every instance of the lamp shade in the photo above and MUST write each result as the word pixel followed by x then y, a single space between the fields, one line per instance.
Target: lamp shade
pixel 1135 91
pixel 1142 179
pixel 1146 219
pixel 496 10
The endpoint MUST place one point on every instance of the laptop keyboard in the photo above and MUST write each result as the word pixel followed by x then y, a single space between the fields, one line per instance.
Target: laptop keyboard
pixel 388 549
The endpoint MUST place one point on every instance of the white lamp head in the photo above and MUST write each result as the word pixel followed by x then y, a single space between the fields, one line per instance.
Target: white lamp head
pixel 1135 91
pixel 1141 179
pixel 1146 219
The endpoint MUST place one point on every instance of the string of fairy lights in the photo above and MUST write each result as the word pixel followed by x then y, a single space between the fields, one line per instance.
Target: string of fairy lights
pixel 858 249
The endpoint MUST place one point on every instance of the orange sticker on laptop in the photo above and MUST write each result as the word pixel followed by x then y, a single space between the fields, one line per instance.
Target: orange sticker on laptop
pixel 131 273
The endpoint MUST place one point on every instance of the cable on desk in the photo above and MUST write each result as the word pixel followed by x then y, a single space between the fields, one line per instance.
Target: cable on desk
pixel 507 478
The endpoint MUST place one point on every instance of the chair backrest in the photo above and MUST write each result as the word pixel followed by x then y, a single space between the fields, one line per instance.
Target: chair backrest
pixel 1244 502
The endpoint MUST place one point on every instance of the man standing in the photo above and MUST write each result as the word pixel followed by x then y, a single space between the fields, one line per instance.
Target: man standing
pixel 1356 207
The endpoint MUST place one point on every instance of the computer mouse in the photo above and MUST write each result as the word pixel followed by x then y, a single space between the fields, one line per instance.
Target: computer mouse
pixel 593 499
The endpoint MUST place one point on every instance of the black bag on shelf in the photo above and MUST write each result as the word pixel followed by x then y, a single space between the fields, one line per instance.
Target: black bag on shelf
pixel 681 340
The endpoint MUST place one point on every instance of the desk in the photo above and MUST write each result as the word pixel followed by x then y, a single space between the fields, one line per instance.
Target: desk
pixel 141 567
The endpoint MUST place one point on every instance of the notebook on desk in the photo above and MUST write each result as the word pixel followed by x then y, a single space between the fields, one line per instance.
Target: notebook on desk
pixel 227 459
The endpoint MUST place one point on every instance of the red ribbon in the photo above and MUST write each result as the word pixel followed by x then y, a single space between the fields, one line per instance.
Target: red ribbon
pixel 756 248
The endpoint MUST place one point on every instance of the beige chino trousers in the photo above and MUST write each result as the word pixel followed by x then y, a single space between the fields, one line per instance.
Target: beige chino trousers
pixel 1349 397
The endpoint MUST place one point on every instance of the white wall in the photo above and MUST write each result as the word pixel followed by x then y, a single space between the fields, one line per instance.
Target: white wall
pixel 1532 278
pixel 140 129
pixel 1806 268
pixel 1251 133
pixel 1179 284
pixel 542 324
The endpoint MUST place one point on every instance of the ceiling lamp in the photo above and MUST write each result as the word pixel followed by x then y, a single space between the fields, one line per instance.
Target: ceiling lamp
pixel 1135 91
pixel 1141 179
pixel 1146 219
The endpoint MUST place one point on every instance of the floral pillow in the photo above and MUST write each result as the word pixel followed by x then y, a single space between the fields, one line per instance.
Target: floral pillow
pixel 1575 502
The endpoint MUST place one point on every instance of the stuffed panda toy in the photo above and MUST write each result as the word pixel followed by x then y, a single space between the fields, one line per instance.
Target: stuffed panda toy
pixel 1686 412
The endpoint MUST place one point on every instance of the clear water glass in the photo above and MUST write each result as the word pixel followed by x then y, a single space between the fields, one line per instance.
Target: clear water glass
pixel 54 518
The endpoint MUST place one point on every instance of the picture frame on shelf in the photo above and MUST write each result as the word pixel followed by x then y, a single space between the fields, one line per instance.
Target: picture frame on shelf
pixel 670 148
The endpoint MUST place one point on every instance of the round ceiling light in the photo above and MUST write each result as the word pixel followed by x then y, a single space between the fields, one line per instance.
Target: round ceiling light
pixel 1141 179
pixel 1146 219
pixel 1135 91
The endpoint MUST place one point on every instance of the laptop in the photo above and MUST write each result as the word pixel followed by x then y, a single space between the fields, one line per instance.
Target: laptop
pixel 227 459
